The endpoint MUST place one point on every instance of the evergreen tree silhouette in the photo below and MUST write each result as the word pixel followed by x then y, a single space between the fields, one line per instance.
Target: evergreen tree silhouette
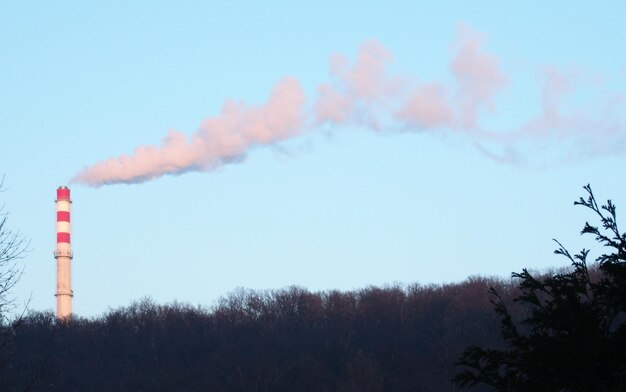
pixel 573 333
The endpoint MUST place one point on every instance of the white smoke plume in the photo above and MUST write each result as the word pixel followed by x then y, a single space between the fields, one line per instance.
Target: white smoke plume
pixel 222 139
pixel 365 93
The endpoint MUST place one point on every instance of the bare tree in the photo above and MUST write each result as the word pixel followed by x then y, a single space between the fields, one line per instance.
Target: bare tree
pixel 13 246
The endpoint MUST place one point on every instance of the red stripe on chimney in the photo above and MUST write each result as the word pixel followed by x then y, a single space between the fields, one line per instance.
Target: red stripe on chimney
pixel 63 216
pixel 63 237
pixel 63 194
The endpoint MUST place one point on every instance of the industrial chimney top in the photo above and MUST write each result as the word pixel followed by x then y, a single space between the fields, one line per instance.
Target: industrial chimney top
pixel 63 193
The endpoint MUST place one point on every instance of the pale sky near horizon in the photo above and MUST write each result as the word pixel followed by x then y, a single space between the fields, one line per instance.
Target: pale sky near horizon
pixel 400 189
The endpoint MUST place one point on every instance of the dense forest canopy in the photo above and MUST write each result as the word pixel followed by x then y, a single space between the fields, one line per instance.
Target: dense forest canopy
pixel 378 338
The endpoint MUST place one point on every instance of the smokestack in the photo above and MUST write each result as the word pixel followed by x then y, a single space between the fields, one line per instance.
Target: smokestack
pixel 63 254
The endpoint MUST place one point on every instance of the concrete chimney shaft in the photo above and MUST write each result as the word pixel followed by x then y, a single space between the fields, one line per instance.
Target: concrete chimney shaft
pixel 63 254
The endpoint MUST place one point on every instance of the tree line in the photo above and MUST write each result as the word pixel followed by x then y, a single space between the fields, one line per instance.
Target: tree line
pixel 395 338
pixel 562 330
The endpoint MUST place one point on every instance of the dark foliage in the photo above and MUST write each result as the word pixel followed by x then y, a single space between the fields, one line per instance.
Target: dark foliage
pixel 375 339
pixel 573 333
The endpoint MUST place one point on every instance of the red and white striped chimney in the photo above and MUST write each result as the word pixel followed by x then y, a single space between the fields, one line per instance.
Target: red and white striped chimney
pixel 63 254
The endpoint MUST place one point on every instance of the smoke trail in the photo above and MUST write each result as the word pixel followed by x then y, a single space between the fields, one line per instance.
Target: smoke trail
pixel 478 76
pixel 367 94
pixel 222 139
pixel 597 127
pixel 367 85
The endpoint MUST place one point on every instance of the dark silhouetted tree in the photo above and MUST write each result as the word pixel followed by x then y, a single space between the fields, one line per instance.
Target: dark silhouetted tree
pixel 12 247
pixel 572 336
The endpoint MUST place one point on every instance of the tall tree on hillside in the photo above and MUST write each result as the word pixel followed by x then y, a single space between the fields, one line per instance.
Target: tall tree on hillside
pixel 573 336
pixel 13 246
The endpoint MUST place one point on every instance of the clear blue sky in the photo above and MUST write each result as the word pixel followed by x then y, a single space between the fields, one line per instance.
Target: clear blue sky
pixel 340 205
